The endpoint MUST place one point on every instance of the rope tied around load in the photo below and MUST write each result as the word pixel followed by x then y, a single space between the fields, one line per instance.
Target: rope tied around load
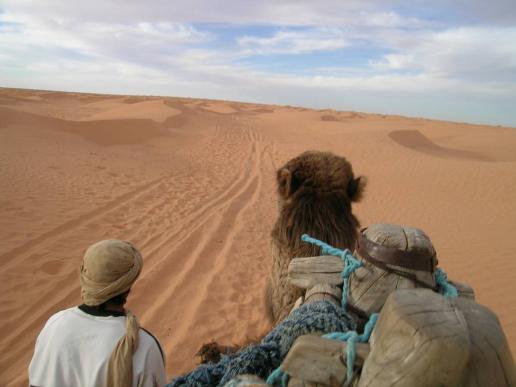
pixel 280 378
pixel 351 338
pixel 350 262
pixel 444 287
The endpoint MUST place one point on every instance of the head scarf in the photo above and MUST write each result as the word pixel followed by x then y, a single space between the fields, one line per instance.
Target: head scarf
pixel 110 268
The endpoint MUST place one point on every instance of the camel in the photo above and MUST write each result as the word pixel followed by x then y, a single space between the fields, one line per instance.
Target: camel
pixel 315 192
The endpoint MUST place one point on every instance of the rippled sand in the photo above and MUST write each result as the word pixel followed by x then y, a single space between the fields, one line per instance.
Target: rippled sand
pixel 191 183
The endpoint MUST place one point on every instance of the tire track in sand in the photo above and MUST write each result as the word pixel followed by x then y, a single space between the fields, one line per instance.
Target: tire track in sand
pixel 24 321
pixel 205 252
pixel 220 287
pixel 12 257
pixel 213 219
pixel 195 220
pixel 190 223
pixel 68 286
pixel 209 213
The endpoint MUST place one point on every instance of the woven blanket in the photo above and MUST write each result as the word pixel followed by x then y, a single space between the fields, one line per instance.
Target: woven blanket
pixel 263 358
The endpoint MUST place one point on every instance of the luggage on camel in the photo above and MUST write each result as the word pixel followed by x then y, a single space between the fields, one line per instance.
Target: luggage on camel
pixel 384 316
pixel 429 331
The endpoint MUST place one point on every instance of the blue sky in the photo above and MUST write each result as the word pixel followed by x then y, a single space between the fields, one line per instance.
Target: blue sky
pixel 449 60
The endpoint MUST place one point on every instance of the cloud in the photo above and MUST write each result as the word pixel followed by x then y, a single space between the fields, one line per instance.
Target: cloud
pixel 475 54
pixel 480 12
pixel 294 42
pixel 324 53
pixel 394 62
pixel 34 40
pixel 270 12
pixel 479 55
pixel 335 13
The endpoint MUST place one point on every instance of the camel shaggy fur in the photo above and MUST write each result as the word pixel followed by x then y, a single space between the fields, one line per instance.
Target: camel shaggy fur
pixel 315 191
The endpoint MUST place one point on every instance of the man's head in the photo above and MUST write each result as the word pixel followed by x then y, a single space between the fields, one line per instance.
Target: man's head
pixel 109 269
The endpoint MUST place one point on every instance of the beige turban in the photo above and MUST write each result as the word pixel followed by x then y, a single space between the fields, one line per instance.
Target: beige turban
pixel 109 268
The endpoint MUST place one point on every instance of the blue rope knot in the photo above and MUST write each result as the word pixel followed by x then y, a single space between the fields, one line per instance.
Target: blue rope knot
pixel 350 262
pixel 350 265
pixel 351 338
pixel 445 288
pixel 278 377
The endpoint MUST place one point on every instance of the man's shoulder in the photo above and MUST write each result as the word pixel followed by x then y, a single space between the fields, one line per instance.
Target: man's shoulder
pixel 151 340
pixel 59 316
pixel 60 323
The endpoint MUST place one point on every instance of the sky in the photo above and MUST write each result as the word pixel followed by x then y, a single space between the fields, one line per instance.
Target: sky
pixel 443 59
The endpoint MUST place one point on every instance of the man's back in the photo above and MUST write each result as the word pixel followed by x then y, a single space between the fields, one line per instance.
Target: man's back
pixel 75 345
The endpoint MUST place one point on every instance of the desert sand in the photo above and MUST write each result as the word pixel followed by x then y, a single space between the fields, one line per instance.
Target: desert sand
pixel 191 183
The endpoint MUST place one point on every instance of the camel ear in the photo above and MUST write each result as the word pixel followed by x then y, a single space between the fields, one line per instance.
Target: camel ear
pixel 284 183
pixel 356 188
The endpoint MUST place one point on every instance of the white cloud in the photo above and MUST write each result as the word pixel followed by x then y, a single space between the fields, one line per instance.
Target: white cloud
pixel 336 13
pixel 131 47
pixel 272 12
pixel 294 42
pixel 478 55
pixel 394 62
pixel 32 43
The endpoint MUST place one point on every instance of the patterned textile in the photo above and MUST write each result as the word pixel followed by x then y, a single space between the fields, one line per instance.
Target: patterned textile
pixel 263 358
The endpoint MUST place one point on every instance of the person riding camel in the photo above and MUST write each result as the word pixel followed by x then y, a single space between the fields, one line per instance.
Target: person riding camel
pixel 100 343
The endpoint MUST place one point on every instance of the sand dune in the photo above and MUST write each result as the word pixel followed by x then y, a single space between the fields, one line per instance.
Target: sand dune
pixel 415 140
pixel 154 109
pixel 102 132
pixel 191 182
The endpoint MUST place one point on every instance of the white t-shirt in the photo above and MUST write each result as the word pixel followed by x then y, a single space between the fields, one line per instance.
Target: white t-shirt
pixel 74 347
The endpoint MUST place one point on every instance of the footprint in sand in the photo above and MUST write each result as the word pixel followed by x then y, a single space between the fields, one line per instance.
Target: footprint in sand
pixel 52 267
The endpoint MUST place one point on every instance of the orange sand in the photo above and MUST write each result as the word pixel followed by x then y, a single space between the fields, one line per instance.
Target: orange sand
pixel 191 182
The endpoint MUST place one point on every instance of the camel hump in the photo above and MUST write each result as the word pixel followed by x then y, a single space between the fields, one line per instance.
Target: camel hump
pixel 424 339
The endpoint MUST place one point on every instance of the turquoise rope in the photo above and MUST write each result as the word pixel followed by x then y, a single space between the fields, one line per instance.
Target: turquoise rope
pixel 350 262
pixel 445 288
pixel 278 377
pixel 350 265
pixel 351 338
pixel 284 379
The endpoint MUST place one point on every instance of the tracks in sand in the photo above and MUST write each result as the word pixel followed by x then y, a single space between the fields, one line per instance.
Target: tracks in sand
pixel 192 226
